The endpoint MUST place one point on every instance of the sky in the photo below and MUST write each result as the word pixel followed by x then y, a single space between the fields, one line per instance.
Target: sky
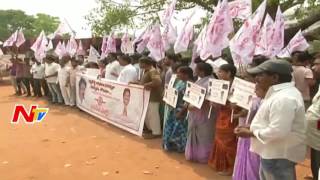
pixel 72 10
pixel 75 10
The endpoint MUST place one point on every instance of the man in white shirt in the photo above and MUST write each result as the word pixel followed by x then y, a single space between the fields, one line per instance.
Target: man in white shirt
pixel 113 69
pixel 313 125
pixel 64 79
pixel 128 73
pixel 37 71
pixel 51 75
pixel 278 130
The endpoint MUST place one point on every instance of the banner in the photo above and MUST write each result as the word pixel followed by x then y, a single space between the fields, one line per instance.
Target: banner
pixel 218 91
pixel 124 106
pixel 170 96
pixel 195 94
pixel 242 93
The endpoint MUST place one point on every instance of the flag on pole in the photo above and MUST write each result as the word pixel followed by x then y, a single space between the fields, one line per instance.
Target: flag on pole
pixel 169 36
pixel 155 44
pixel 185 36
pixel 277 37
pixel 240 9
pixel 20 38
pixel 219 28
pixel 198 43
pixel 263 43
pixel 94 55
pixel 39 46
pixel 110 46
pixel 104 45
pixel 50 46
pixel 143 40
pixel 243 44
pixel 61 50
pixel 11 40
pixel 167 14
pixel 72 47
pixel 81 51
pixel 297 43
pixel 64 28
pixel 126 44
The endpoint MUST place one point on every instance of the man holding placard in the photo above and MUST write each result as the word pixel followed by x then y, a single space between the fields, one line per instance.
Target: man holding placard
pixel 278 129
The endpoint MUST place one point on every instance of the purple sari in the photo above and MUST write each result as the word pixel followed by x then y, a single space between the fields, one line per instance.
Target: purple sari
pixel 247 163
pixel 200 130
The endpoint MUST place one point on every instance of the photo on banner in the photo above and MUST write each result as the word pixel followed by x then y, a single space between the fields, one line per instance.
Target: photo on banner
pixel 218 91
pixel 172 80
pixel 170 96
pixel 194 94
pixel 242 93
pixel 124 106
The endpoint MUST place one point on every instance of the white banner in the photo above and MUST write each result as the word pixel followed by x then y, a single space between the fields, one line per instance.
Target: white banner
pixel 170 96
pixel 124 106
pixel 242 93
pixel 195 94
pixel 218 91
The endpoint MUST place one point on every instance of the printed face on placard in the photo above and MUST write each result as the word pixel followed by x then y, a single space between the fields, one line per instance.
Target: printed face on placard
pixel 82 89
pixel 126 97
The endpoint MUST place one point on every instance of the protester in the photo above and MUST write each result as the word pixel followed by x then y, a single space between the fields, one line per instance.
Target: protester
pixel 169 61
pixel 27 76
pixel 102 68
pixel 64 80
pixel 20 66
pixel 151 81
pixel 51 75
pixel 200 128
pixel 37 70
pixel 223 154
pixel 278 129
pixel 12 72
pixel 128 73
pixel 75 68
pixel 176 125
pixel 113 68
pixel 303 76
pixel 313 125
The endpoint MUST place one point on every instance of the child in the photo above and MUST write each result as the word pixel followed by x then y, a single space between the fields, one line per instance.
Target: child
pixel 51 75
pixel 64 80
pixel 37 70
pixel 75 68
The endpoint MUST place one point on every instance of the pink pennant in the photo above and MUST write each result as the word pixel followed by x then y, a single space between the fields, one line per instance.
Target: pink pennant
pixel 111 45
pixel 240 9
pixel 167 14
pixel 169 36
pixel 144 41
pixel 185 36
pixel 39 47
pixel 277 37
pixel 72 47
pixel 20 38
pixel 155 44
pixel 263 43
pixel 81 50
pixel 297 43
pixel 126 44
pixel 11 40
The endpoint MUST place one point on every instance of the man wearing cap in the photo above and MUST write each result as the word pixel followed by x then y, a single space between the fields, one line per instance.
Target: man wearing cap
pixel 278 130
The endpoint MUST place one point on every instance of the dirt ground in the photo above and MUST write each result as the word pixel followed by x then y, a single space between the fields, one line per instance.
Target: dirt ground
pixel 72 145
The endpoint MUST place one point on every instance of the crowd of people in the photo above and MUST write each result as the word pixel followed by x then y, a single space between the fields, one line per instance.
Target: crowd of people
pixel 264 143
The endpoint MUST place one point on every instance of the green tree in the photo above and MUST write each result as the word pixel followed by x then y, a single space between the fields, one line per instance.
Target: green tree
pixel 11 20
pixel 111 15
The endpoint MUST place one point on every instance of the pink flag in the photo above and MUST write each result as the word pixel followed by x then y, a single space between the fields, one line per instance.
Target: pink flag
pixel 63 28
pixel 263 43
pixel 81 50
pixel 199 43
pixel 155 44
pixel 144 40
pixel 93 55
pixel 297 43
pixel 185 36
pixel 219 28
pixel 111 45
pixel 39 46
pixel 61 50
pixel 104 44
pixel 240 9
pixel 169 36
pixel 126 44
pixel 50 46
pixel 167 14
pixel 277 37
pixel 72 47
pixel 11 40
pixel 243 44
pixel 20 38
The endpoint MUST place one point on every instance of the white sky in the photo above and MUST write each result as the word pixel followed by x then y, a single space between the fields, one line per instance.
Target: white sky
pixel 72 10
pixel 75 10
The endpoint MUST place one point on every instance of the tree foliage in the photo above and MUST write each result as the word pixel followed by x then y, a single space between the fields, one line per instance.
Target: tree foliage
pixel 111 15
pixel 11 20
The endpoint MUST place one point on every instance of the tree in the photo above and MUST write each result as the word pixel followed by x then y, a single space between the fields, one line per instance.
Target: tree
pixel 11 20
pixel 128 13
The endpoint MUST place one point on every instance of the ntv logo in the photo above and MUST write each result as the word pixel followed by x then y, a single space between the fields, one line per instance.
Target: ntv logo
pixel 35 114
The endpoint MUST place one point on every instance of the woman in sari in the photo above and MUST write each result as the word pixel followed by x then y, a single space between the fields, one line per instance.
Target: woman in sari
pixel 200 128
pixel 176 126
pixel 223 154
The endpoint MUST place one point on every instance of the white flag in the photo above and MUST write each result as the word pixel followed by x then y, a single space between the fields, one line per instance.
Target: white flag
pixel 111 45
pixel 219 28
pixel 277 38
pixel 185 36
pixel 72 47
pixel 263 43
pixel 61 50
pixel 199 43
pixel 241 9
pixel 169 36
pixel 155 44
pixel 50 46
pixel 243 44
pixel 126 44
pixel 11 40
pixel 94 55
pixel 39 46
pixel 20 38
pixel 297 43
pixel 167 14
pixel 81 50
